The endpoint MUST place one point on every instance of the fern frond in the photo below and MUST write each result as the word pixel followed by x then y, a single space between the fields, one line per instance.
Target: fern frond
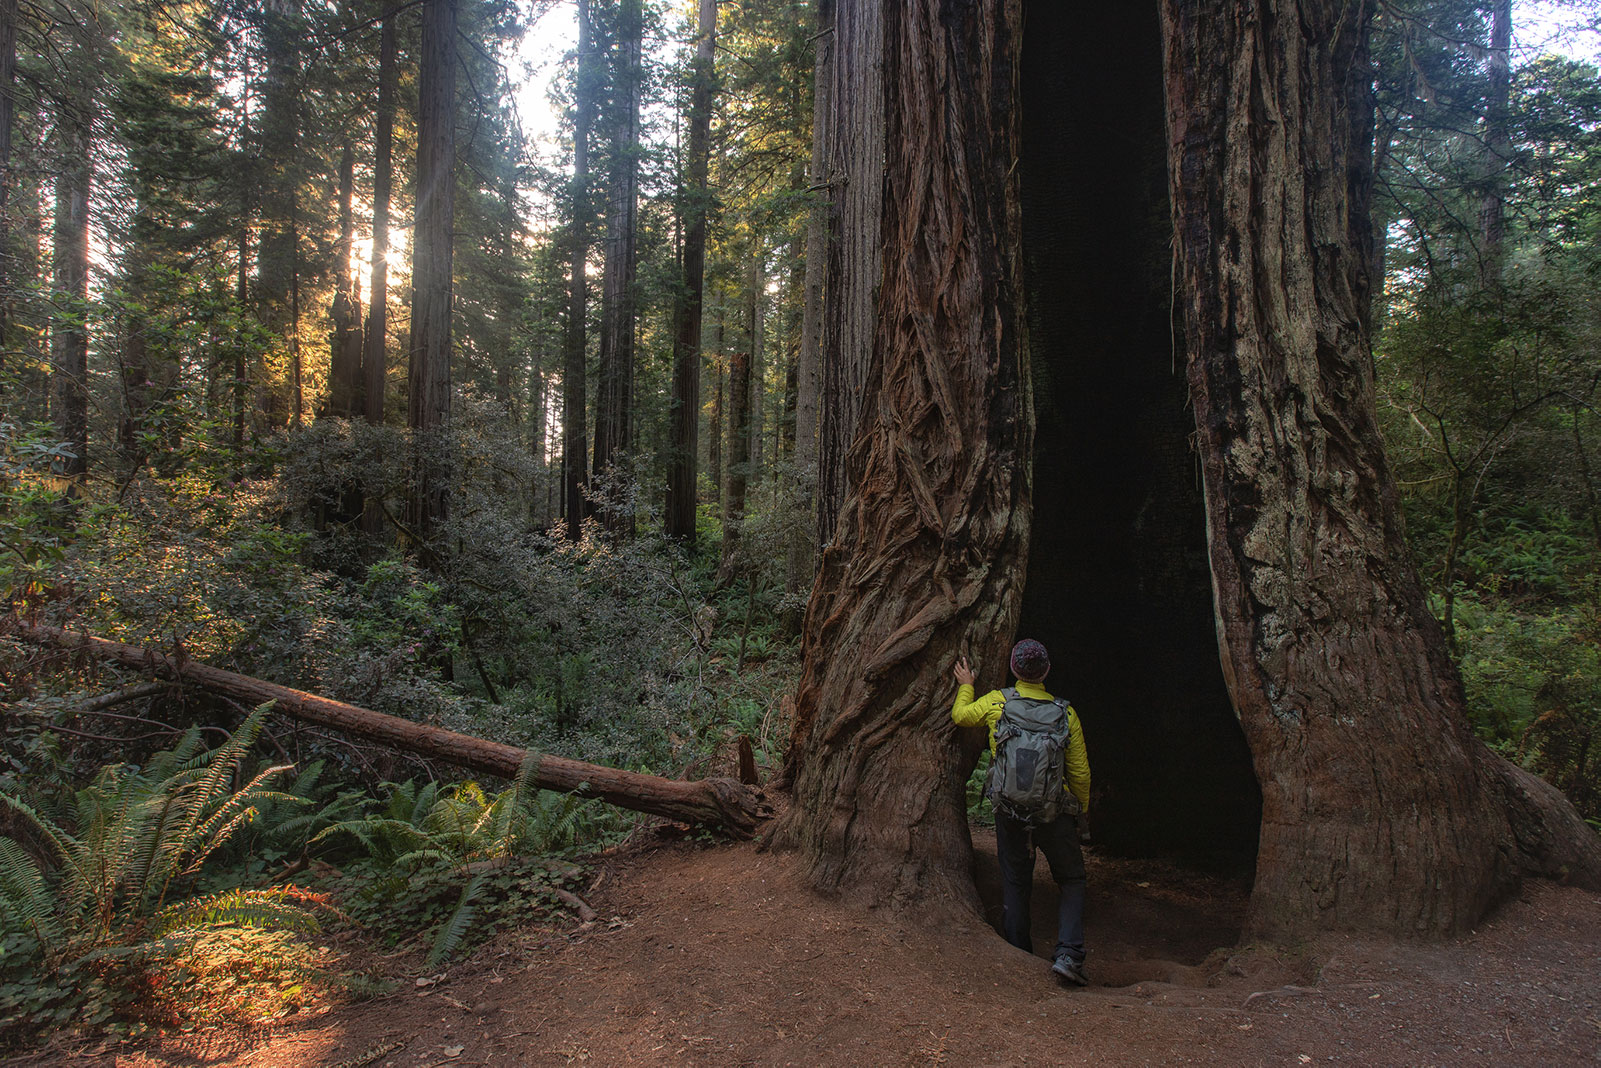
pixel 276 908
pixel 402 803
pixel 234 812
pixel 418 857
pixel 215 785
pixel 461 920
pixel 25 900
pixel 65 846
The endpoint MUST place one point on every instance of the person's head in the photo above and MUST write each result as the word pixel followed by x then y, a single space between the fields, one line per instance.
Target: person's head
pixel 1030 661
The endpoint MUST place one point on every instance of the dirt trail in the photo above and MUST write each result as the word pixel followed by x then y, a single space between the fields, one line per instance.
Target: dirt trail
pixel 719 956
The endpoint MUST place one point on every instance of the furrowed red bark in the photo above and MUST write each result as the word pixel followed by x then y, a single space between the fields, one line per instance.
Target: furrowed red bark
pixel 928 558
pixel 853 134
pixel 716 802
pixel 1380 810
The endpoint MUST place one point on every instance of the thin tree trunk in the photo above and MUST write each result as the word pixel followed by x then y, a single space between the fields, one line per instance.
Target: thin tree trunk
pixel 296 362
pixel 69 342
pixel 1325 637
pixel 575 434
pixel 718 802
pixel 8 82
pixel 739 390
pixel 375 342
pixel 714 434
pixel 242 280
pixel 508 296
pixel 241 349
pixel 930 551
pixel 1497 142
pixel 854 140
pixel 756 333
pixel 431 265
pixel 613 425
pixel 344 362
pixel 279 167
pixel 682 474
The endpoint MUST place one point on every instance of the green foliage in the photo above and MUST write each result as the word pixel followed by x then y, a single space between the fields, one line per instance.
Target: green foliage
pixel 979 809
pixel 102 898
pixel 35 510
pixel 434 860
pixel 1533 680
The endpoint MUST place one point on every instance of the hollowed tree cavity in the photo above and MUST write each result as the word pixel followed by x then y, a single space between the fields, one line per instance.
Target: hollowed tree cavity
pixel 1118 586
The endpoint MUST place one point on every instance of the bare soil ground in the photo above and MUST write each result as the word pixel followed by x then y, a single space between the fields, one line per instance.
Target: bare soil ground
pixel 721 956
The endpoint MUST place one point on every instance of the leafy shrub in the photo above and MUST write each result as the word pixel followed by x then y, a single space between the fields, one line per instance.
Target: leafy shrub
pixel 1533 681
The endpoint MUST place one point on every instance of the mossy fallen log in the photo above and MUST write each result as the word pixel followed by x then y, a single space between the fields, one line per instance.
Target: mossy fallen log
pixel 716 802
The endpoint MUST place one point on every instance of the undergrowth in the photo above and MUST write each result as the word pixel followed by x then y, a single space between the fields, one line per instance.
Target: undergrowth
pixel 617 649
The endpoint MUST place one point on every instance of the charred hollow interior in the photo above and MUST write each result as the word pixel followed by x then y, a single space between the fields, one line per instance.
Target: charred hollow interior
pixel 1118 586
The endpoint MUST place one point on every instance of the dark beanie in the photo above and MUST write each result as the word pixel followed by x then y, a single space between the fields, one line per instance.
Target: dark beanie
pixel 1030 660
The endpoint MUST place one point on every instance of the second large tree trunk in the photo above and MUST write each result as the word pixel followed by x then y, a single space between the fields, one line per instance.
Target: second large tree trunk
pixel 926 562
pixel 1379 807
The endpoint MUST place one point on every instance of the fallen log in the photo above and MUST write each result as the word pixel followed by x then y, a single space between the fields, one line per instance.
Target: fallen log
pixel 717 802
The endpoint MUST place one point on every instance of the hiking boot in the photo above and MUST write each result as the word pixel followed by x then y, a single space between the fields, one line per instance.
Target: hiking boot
pixel 1070 971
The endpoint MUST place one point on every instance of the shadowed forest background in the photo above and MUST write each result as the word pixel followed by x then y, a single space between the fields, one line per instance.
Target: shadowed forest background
pixel 317 369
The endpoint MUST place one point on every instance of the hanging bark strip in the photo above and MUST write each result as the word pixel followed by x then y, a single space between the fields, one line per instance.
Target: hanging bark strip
pixel 717 802
pixel 931 547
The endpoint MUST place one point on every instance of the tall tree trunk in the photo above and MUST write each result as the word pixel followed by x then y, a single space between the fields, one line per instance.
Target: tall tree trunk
pixel 613 426
pixel 508 297
pixel 1379 808
pixel 1497 143
pixel 756 332
pixel 682 474
pixel 247 207
pixel 714 433
pixel 241 344
pixel 374 358
pixel 929 554
pixel 738 467
pixel 69 340
pixel 8 82
pixel 575 434
pixel 802 563
pixel 279 175
pixel 431 265
pixel 297 365
pixel 375 339
pixel 856 150
pixel 344 363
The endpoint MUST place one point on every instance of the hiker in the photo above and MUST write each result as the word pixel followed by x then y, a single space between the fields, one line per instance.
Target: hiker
pixel 1030 810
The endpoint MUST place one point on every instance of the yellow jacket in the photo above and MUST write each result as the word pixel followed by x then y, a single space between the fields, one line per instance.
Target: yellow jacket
pixel 986 710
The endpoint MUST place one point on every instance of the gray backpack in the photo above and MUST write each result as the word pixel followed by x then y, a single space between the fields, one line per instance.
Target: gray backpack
pixel 1026 774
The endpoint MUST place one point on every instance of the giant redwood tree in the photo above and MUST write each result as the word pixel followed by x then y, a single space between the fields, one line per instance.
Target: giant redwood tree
pixel 926 561
pixel 1206 452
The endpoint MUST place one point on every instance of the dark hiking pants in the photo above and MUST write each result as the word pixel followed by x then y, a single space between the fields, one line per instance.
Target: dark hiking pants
pixel 1015 842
